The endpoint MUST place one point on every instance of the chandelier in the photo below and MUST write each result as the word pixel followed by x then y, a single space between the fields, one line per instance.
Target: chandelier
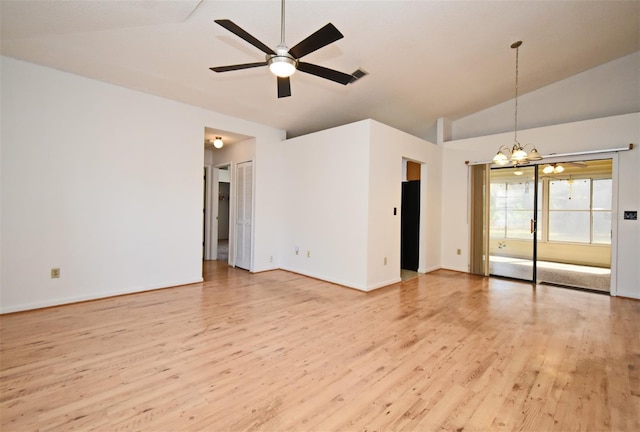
pixel 517 154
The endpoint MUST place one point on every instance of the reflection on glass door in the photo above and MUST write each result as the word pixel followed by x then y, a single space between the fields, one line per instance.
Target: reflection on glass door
pixel 512 227
pixel 574 242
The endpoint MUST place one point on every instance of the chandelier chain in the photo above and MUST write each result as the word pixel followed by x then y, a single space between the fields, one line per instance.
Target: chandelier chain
pixel 515 139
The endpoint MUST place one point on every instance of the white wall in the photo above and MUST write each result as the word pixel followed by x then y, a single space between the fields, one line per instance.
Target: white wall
pixel 325 204
pixel 105 183
pixel 604 133
pixel 340 187
pixel 388 148
pixel 268 204
pixel 604 91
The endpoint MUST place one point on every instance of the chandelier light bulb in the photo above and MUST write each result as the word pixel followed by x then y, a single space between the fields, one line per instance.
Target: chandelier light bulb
pixel 519 155
pixel 217 143
pixel 500 159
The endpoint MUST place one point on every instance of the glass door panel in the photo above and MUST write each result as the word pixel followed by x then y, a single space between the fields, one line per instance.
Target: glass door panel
pixel 512 227
pixel 574 237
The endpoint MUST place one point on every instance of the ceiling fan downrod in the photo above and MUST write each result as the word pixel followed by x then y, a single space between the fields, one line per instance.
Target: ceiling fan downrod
pixel 282 24
pixel 282 64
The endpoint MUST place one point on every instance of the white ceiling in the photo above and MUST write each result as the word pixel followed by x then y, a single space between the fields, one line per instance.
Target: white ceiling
pixel 426 59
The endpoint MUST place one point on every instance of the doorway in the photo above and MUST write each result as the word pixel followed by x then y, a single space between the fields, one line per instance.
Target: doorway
pixel 551 223
pixel 224 209
pixel 216 212
pixel 410 219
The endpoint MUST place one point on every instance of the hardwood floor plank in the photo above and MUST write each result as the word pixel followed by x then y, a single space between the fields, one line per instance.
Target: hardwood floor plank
pixel 277 351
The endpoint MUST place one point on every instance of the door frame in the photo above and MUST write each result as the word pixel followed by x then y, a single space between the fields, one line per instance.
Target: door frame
pixel 210 213
pixel 211 210
pixel 533 216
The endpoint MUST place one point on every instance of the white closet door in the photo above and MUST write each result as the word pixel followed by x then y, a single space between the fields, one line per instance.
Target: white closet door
pixel 244 214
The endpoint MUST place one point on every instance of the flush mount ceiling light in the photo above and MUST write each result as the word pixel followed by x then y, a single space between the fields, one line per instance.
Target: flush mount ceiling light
pixel 517 155
pixel 217 143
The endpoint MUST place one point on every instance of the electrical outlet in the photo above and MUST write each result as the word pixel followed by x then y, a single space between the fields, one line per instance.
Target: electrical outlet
pixel 271 258
pixel 297 250
pixel 385 260
pixel 459 251
pixel 308 254
pixel 55 273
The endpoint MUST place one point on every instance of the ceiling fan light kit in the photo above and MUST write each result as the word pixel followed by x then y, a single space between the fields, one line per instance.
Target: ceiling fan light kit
pixel 517 155
pixel 553 169
pixel 283 62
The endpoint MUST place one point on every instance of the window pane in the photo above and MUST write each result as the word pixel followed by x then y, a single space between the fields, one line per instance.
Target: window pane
pixel 540 225
pixel 519 224
pixel 602 194
pixel 570 194
pixel 498 219
pixel 569 226
pixel 602 227
pixel 520 196
pixel 498 223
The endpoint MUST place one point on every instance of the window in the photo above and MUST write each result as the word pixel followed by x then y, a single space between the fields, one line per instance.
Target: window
pixel 573 210
pixel 580 211
pixel 601 211
pixel 511 209
pixel 569 210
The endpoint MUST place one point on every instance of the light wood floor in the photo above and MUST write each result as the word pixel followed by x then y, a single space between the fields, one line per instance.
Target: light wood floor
pixel 278 351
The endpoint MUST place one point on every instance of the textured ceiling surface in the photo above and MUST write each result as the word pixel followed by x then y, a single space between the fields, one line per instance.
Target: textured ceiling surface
pixel 425 59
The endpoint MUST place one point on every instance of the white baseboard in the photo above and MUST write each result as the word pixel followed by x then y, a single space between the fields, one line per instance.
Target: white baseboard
pixel 93 296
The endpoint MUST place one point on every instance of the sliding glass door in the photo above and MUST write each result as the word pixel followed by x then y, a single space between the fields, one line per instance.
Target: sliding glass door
pixel 550 223
pixel 513 201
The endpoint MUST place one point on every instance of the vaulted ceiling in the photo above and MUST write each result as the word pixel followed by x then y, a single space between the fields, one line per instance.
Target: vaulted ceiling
pixel 425 59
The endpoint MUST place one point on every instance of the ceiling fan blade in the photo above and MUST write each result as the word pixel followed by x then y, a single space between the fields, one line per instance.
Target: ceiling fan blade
pixel 236 30
pixel 322 37
pixel 284 87
pixel 237 67
pixel 575 164
pixel 326 73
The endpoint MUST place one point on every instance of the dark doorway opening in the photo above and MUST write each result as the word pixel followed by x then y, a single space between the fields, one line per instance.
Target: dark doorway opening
pixel 410 225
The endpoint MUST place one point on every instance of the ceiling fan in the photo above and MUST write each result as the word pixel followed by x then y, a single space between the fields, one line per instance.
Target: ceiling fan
pixel 557 168
pixel 284 61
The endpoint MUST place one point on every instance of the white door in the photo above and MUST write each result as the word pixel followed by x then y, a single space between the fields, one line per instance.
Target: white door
pixel 244 214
